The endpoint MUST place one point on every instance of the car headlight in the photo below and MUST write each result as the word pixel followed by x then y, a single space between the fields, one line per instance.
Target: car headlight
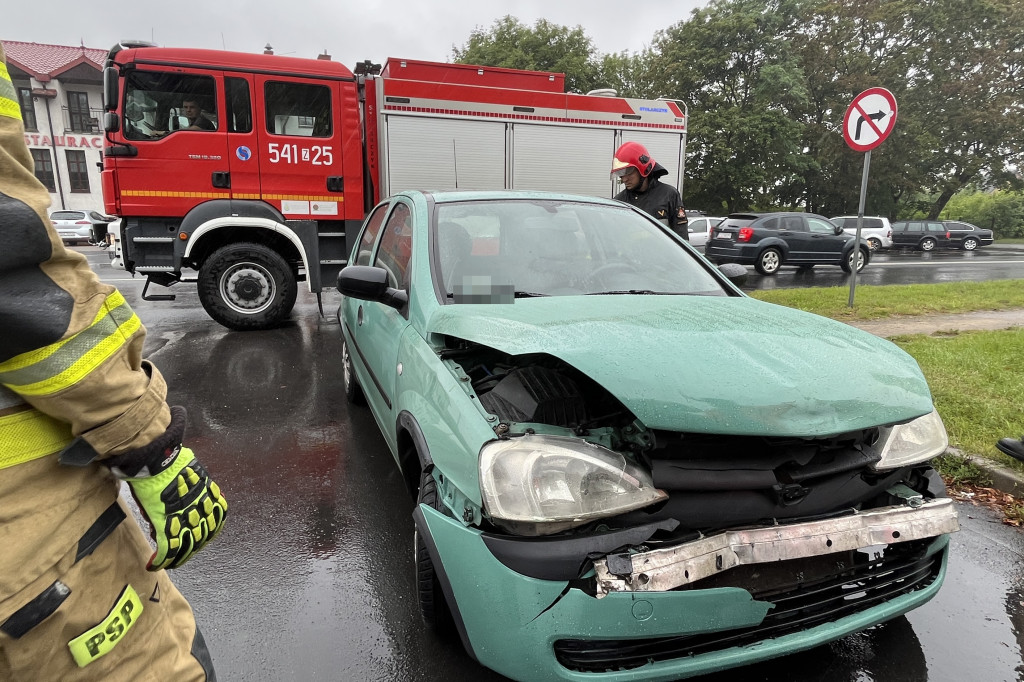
pixel 916 441
pixel 538 485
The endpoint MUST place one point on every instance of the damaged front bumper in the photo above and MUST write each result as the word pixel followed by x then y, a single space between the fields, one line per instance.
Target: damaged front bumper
pixel 531 628
pixel 673 567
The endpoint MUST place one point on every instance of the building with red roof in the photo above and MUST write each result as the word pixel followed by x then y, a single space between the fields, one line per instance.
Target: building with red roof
pixel 60 90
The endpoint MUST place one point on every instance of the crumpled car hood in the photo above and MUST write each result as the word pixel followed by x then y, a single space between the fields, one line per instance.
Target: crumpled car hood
pixel 710 364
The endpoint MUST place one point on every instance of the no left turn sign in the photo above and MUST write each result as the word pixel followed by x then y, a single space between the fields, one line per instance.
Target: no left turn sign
pixel 869 119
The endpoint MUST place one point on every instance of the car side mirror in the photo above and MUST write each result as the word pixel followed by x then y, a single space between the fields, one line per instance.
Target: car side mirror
pixel 837 229
pixel 368 283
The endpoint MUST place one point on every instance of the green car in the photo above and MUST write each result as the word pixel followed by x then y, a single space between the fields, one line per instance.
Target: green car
pixel 625 468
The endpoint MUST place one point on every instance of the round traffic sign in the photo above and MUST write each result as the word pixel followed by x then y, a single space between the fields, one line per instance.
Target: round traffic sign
pixel 869 119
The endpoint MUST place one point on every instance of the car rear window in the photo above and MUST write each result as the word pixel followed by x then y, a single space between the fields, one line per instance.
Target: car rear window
pixel 737 221
pixel 67 215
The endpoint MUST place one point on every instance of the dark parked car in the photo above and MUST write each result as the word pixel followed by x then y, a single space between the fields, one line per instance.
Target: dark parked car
pixel 966 236
pixel 920 234
pixel 771 240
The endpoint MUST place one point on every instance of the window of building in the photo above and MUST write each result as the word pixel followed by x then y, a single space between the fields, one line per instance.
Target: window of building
pixel 28 108
pixel 78 172
pixel 78 112
pixel 44 168
pixel 298 109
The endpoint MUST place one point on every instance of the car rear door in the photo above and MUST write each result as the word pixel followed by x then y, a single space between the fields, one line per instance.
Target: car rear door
pixel 792 229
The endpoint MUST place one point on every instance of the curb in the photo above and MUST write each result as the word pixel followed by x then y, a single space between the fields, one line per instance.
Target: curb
pixel 1003 478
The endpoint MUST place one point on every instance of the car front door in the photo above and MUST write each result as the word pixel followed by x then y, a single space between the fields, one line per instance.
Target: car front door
pixel 378 328
pixel 826 245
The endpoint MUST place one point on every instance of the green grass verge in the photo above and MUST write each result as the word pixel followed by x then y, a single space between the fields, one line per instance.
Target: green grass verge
pixel 977 383
pixel 874 302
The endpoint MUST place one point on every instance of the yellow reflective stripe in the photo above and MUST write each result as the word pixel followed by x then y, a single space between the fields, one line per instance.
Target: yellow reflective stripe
pixel 100 640
pixel 29 435
pixel 55 367
pixel 8 96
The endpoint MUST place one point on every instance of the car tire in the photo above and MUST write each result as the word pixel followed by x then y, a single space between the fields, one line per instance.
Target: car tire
pixel 847 263
pixel 247 286
pixel 927 244
pixel 353 391
pixel 769 262
pixel 969 244
pixel 874 243
pixel 433 604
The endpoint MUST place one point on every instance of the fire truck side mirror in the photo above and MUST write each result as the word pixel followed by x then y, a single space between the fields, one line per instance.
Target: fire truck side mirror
pixel 109 89
pixel 111 123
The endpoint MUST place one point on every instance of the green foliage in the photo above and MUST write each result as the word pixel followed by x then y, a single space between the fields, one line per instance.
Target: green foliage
pixel 767 83
pixel 544 47
pixel 1000 211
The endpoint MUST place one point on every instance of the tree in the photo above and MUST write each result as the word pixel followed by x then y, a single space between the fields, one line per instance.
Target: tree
pixel 544 47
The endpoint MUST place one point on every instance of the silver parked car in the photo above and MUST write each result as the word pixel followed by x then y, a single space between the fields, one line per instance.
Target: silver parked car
pixel 699 229
pixel 80 227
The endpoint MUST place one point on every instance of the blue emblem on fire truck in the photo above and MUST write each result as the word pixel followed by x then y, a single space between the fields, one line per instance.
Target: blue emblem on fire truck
pixel 243 153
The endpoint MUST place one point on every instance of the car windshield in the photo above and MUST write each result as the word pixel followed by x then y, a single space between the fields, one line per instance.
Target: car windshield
pixel 490 250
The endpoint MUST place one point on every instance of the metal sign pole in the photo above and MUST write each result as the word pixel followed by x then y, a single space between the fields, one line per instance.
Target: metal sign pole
pixel 860 225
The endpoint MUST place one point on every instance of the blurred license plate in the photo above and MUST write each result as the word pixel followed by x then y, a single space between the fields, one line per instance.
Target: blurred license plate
pixel 724 235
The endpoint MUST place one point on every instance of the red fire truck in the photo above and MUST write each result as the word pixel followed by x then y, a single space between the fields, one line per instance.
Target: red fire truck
pixel 249 173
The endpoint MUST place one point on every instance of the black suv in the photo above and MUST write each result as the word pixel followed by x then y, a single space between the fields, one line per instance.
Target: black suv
pixel 771 240
pixel 966 236
pixel 920 234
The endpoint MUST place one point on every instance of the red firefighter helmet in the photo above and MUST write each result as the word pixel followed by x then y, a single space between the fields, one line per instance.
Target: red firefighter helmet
pixel 632 155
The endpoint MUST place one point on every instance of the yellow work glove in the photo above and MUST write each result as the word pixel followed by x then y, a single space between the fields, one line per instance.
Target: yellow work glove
pixel 174 492
pixel 186 509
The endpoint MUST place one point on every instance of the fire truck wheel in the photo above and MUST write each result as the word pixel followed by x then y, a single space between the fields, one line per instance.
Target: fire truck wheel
pixel 247 286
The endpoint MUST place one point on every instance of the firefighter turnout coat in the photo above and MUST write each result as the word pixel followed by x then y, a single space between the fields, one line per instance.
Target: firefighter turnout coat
pixel 70 365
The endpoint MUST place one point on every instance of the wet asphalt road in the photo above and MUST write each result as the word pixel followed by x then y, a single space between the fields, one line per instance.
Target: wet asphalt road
pixel 312 579
pixel 906 266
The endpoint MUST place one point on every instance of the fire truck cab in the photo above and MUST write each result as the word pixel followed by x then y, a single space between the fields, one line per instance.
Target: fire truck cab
pixel 250 173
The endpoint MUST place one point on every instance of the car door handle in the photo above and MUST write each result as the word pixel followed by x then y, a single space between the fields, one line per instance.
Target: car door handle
pixel 221 179
pixel 335 183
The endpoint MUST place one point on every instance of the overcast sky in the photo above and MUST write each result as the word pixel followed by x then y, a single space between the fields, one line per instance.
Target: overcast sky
pixel 349 31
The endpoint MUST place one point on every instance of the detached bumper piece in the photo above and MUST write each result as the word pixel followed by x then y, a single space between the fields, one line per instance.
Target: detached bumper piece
pixel 809 600
pixel 673 567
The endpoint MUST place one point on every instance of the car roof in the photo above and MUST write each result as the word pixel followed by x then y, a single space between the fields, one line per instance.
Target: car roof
pixel 507 194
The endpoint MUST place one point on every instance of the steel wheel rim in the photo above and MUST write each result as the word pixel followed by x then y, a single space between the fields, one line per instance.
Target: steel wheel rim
pixel 770 261
pixel 970 245
pixel 248 288
pixel 346 368
pixel 927 245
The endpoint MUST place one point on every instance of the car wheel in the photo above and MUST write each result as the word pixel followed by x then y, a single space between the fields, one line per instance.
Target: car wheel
pixel 769 262
pixel 247 286
pixel 874 243
pixel 970 244
pixel 927 244
pixel 861 256
pixel 353 391
pixel 433 605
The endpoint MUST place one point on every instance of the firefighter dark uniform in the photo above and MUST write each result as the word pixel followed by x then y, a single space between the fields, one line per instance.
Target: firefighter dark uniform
pixel 648 193
pixel 82 594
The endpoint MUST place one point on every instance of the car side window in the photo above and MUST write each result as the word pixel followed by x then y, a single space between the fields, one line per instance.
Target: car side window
pixel 395 248
pixel 962 227
pixel 771 224
pixel 369 236
pixel 793 222
pixel 936 227
pixel 819 226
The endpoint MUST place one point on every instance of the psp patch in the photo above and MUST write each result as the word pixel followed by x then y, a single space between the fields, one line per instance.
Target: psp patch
pixel 100 640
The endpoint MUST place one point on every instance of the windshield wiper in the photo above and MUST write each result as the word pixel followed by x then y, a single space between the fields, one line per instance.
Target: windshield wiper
pixel 528 294
pixel 636 292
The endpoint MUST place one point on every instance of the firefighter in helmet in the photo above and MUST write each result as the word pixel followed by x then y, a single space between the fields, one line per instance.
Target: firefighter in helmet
pixel 640 175
pixel 82 594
